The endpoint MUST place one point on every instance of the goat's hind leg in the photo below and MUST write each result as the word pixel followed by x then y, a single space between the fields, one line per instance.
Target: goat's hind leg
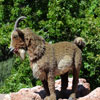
pixel 75 84
pixel 76 70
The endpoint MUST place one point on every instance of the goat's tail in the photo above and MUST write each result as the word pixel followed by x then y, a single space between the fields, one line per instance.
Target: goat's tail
pixel 80 42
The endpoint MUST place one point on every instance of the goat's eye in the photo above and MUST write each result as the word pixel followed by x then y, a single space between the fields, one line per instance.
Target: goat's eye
pixel 15 36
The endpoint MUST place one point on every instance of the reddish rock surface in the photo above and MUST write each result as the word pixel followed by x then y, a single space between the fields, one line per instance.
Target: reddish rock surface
pixel 38 93
pixel 94 95
pixel 2 96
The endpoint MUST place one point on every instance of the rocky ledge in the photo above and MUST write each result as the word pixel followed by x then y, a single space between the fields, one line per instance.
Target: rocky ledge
pixel 38 93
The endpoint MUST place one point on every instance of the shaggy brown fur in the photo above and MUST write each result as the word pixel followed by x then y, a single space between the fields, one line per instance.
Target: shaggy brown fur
pixel 48 60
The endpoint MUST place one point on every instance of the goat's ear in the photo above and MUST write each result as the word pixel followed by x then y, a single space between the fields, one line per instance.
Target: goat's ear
pixel 20 33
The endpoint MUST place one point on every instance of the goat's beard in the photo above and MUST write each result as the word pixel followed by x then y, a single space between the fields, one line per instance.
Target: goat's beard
pixel 22 53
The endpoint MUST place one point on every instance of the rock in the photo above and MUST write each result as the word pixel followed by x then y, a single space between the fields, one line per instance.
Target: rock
pixel 2 96
pixel 94 95
pixel 38 93
pixel 25 94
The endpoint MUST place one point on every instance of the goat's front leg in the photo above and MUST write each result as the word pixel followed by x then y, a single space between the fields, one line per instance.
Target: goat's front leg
pixel 51 86
pixel 45 85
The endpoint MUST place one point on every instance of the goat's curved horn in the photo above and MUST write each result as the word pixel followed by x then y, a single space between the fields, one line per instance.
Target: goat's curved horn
pixel 17 21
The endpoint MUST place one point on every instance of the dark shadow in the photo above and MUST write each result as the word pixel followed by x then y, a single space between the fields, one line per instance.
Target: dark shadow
pixel 82 91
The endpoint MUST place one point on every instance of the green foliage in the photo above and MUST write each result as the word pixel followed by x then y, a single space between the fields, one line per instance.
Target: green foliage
pixel 55 20
pixel 21 77
pixel 5 69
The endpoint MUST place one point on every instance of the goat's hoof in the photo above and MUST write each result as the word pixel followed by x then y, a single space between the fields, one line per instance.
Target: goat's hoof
pixel 47 98
pixel 51 97
pixel 72 97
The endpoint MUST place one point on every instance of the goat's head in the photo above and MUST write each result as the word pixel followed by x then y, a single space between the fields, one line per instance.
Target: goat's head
pixel 18 45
